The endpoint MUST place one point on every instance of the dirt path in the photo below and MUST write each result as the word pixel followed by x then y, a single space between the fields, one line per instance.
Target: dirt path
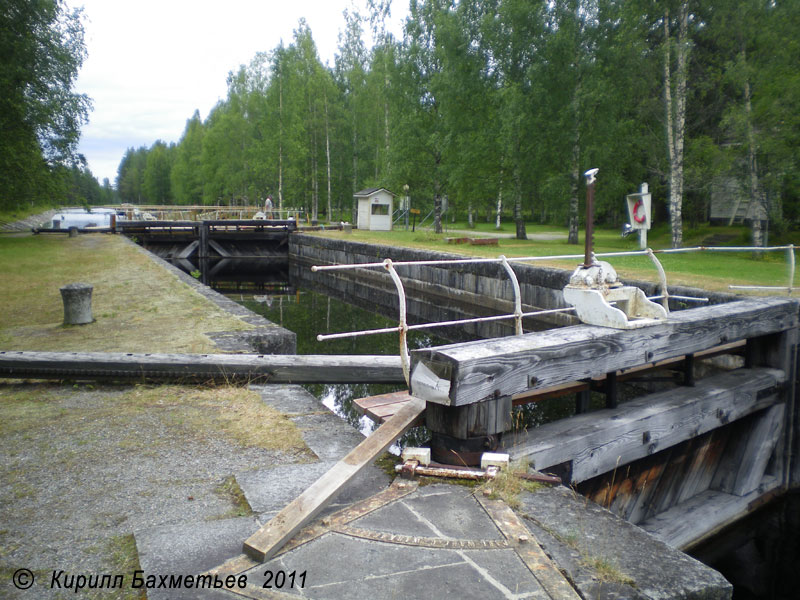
pixel 84 466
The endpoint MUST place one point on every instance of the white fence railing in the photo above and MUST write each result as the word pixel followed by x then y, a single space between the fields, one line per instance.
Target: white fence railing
pixel 403 327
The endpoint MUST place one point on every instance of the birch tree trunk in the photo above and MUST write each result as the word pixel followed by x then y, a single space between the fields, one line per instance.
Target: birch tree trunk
pixel 499 202
pixel 756 197
pixel 314 177
pixel 280 143
pixel 354 210
pixel 676 119
pixel 328 158
pixel 386 115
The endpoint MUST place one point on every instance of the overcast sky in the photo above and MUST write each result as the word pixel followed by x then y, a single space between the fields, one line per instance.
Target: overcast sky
pixel 151 63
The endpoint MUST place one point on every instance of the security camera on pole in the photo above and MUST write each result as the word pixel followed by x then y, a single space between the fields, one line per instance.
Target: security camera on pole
pixel 640 213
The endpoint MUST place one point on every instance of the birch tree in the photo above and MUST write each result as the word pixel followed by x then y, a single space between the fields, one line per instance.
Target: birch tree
pixel 675 113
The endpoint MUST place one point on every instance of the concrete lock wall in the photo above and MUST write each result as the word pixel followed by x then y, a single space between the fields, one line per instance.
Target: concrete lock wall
pixel 443 293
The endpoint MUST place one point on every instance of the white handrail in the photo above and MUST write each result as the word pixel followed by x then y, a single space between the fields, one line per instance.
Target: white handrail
pixel 403 327
pixel 517 295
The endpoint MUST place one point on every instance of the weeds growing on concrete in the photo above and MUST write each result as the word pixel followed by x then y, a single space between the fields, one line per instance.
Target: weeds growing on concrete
pixel 230 490
pixel 508 485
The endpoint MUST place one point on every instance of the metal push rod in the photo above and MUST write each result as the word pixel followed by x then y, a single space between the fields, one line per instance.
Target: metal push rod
pixel 588 255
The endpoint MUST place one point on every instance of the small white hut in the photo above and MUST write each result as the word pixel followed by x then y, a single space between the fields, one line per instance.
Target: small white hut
pixel 375 208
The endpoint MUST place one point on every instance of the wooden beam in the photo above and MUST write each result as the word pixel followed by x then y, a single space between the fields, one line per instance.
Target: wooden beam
pixel 381 407
pixel 188 250
pixel 460 374
pixel 745 464
pixel 600 441
pixel 690 522
pixel 564 389
pixel 219 249
pixel 271 368
pixel 268 540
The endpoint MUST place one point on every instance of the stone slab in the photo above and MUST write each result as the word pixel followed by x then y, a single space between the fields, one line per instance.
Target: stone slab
pixel 291 400
pixel 329 437
pixel 190 550
pixel 270 490
pixel 589 542
pixel 440 510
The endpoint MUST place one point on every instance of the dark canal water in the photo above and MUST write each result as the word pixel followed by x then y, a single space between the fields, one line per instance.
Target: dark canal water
pixel 308 314
pixel 760 555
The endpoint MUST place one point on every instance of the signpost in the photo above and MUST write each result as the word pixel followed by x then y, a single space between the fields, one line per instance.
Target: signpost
pixel 415 212
pixel 640 213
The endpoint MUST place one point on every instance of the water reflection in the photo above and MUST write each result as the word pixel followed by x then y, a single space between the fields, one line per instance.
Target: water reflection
pixel 308 314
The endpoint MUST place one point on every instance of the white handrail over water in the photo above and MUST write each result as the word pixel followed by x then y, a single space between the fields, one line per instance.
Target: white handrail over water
pixel 403 327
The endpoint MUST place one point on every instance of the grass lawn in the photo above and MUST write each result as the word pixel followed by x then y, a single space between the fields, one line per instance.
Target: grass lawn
pixel 137 305
pixel 707 270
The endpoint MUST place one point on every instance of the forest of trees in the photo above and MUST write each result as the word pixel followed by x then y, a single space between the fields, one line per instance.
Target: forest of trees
pixel 41 51
pixel 498 106
pixel 501 105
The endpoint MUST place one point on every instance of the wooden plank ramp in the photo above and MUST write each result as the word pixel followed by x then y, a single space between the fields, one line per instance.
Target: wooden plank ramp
pixel 382 407
pixel 268 540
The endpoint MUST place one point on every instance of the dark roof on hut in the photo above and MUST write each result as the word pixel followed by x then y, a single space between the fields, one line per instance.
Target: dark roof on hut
pixel 370 191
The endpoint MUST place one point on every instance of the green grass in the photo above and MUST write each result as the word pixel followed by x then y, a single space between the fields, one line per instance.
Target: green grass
pixel 707 270
pixel 235 413
pixel 125 560
pixel 136 304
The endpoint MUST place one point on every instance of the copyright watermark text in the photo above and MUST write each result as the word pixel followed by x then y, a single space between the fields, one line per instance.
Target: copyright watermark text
pixel 24 579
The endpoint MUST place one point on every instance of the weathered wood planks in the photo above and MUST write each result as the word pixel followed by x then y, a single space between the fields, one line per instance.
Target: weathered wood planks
pixel 263 544
pixel 602 440
pixel 688 523
pixel 273 368
pixel 744 465
pixel 460 374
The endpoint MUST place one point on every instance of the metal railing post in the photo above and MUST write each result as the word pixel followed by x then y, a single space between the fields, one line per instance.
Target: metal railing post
pixel 517 294
pixel 401 295
pixel 663 277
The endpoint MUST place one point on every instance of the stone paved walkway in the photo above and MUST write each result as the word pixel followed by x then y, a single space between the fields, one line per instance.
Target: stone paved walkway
pixel 442 540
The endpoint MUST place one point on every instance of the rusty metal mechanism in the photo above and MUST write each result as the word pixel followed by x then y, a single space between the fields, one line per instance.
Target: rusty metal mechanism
pixel 596 293
pixel 416 461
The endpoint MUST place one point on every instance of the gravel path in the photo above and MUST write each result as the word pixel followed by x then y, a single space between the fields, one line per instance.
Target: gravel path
pixel 82 469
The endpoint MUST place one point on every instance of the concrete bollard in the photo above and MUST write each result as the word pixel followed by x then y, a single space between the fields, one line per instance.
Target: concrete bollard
pixel 77 298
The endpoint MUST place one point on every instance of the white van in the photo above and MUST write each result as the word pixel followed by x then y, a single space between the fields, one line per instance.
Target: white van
pixel 83 219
